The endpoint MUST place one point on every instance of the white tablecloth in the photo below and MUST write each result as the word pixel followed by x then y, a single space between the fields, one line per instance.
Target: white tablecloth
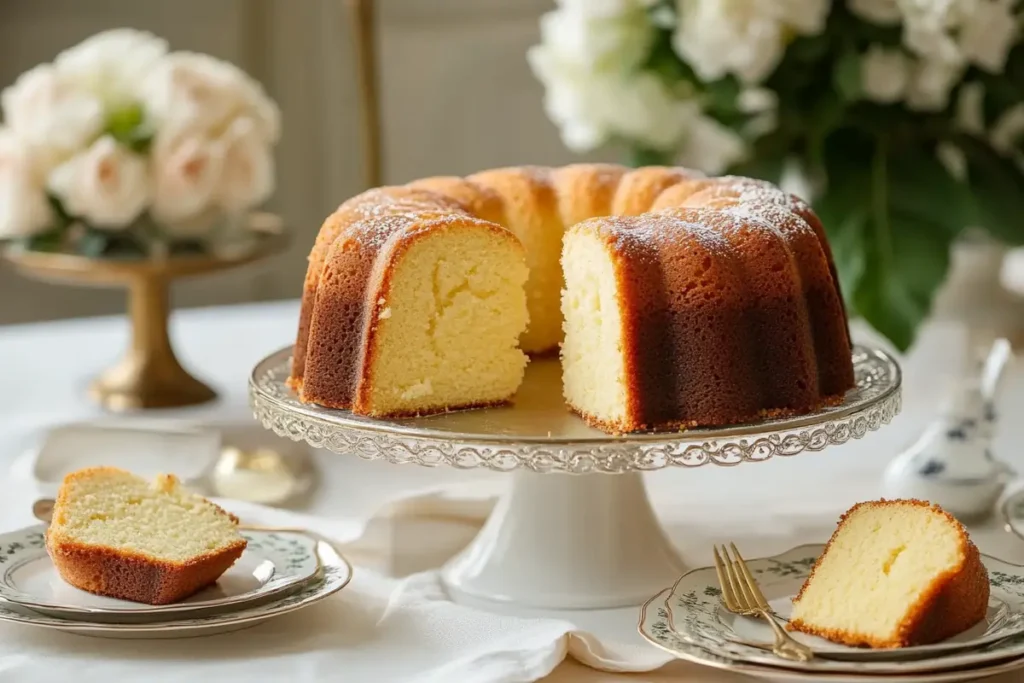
pixel 766 508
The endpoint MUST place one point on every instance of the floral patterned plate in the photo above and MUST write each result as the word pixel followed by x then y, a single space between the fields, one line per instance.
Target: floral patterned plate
pixel 696 613
pixel 655 627
pixel 273 564
pixel 335 573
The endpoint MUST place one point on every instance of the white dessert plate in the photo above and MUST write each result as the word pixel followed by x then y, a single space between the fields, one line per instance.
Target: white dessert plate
pixel 655 627
pixel 335 573
pixel 274 563
pixel 695 612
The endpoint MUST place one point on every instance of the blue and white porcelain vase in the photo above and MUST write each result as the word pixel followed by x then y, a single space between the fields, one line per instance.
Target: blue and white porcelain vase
pixel 952 463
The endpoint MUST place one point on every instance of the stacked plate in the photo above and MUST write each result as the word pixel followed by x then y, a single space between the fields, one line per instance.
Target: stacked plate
pixel 279 572
pixel 689 621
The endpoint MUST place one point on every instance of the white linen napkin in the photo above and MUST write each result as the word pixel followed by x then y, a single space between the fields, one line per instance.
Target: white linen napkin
pixel 470 643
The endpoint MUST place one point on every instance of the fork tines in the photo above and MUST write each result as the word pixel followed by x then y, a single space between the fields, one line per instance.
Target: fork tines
pixel 739 589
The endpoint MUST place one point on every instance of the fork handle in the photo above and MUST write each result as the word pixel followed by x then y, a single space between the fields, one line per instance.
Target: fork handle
pixel 785 645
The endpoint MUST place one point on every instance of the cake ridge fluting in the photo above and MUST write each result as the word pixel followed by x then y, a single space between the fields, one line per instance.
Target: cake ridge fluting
pixel 736 276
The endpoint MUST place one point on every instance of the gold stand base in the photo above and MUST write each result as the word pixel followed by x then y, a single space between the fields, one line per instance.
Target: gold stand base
pixel 149 375
pixel 133 384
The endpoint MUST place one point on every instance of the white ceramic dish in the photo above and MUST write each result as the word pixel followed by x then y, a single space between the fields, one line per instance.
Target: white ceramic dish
pixel 696 612
pixel 273 564
pixel 655 627
pixel 335 574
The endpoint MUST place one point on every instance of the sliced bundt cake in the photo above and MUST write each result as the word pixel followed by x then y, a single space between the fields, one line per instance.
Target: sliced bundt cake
pixel 118 535
pixel 895 573
pixel 687 300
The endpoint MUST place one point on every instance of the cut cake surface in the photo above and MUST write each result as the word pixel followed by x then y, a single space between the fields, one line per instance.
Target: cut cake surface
pixel 894 574
pixel 115 534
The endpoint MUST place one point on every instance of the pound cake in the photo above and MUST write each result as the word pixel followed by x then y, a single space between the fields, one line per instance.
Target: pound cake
pixel 116 534
pixel 894 574
pixel 676 300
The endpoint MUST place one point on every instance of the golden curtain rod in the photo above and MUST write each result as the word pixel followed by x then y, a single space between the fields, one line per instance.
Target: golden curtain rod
pixel 364 37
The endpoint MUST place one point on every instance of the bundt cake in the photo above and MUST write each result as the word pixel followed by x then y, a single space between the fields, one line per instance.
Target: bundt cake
pixel 687 300
pixel 115 534
pixel 894 574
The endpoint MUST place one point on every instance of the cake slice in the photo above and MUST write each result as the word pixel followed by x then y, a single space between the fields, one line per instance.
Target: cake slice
pixel 894 574
pixel 116 534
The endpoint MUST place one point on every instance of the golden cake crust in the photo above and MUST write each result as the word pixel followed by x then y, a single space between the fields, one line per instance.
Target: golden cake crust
pixel 953 602
pixel 356 279
pixel 118 574
pixel 804 361
pixel 127 575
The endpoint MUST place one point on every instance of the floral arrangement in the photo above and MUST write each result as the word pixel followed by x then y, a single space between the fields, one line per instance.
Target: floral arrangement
pixel 901 120
pixel 122 147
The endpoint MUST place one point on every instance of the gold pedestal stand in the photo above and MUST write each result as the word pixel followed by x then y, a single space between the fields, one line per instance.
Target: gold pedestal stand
pixel 149 375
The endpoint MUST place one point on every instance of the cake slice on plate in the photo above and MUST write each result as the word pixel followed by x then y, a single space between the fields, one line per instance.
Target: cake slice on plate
pixel 894 574
pixel 116 534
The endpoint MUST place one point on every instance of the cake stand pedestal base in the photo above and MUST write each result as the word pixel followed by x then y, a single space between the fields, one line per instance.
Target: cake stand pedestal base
pixel 558 541
pixel 149 375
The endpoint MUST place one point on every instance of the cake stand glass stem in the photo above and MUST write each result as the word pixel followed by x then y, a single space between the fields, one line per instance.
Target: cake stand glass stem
pixel 149 375
pixel 563 541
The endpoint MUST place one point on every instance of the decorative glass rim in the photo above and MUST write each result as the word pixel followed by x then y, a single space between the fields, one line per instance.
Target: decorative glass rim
pixel 501 442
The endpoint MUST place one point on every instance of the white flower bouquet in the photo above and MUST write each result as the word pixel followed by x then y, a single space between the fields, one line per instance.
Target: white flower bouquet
pixel 122 147
pixel 904 118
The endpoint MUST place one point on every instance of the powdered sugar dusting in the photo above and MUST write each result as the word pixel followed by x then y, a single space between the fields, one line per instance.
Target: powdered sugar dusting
pixel 374 232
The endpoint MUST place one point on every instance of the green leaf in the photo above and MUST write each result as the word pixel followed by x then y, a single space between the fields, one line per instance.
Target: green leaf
pixel 765 167
pixel 997 186
pixel 923 191
pixel 120 122
pixel 643 156
pixel 93 243
pixel 882 300
pixel 896 295
pixel 888 232
pixel 846 75
pixel 922 252
pixel 808 48
pixel 49 241
pixel 721 95
pixel 129 127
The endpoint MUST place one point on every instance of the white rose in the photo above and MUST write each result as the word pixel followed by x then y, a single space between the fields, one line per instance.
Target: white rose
pixel 186 170
pixel 112 65
pixel 247 178
pixel 24 208
pixel 198 92
pixel 930 84
pixel 1008 129
pixel 884 74
pixel 953 159
pixel 568 90
pixel 927 28
pixel 988 33
pixel 884 12
pixel 609 41
pixel 591 107
pixel 107 185
pixel 970 108
pixel 719 37
pixel 642 109
pixel 762 105
pixel 710 147
pixel 51 113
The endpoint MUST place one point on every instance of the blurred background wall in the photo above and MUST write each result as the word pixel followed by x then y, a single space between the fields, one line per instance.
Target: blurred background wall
pixel 457 96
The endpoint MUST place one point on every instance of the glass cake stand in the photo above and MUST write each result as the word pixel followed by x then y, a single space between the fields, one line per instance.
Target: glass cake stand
pixel 568 542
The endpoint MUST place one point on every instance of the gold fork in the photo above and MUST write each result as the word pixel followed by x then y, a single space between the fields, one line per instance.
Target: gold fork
pixel 741 595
